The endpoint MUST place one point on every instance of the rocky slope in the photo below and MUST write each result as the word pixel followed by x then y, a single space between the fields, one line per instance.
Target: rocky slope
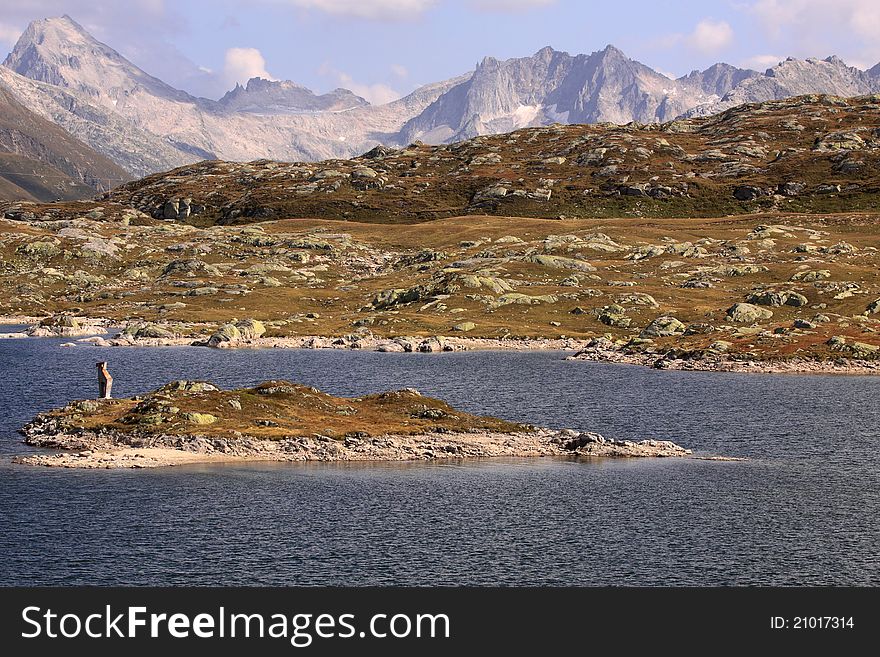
pixel 282 421
pixel 135 149
pixel 799 290
pixel 40 161
pixel 811 153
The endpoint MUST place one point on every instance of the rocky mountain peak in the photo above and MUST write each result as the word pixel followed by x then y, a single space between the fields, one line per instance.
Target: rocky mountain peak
pixel 59 51
pixel 612 52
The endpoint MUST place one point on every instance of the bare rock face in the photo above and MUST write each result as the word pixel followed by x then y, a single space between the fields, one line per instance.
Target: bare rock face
pixel 795 77
pixel 552 86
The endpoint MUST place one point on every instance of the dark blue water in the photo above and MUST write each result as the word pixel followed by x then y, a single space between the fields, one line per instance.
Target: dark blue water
pixel 803 509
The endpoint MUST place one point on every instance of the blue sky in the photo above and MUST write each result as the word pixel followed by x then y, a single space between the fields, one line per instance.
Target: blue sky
pixel 382 49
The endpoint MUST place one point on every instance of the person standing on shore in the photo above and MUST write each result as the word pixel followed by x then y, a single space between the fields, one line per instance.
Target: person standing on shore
pixel 105 381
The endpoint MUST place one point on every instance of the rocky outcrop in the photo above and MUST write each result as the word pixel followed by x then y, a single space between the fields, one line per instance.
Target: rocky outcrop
pixel 663 327
pixel 163 428
pixel 235 333
pixel 63 326
pixel 777 299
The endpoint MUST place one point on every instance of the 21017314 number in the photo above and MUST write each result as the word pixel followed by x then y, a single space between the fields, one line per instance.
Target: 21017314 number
pixel 812 623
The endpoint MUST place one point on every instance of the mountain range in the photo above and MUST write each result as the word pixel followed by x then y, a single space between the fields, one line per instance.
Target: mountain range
pixel 63 75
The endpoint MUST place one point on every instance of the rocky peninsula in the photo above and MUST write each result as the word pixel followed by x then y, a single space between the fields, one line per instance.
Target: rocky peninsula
pixel 196 422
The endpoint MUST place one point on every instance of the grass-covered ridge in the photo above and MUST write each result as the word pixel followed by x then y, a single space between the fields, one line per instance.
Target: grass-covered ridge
pixel 806 154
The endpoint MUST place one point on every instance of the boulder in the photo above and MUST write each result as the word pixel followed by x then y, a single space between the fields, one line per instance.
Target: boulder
pixel 231 334
pixel 42 249
pixel 811 275
pixel 747 313
pixel 188 386
pixel 613 315
pixel 433 345
pixel 395 297
pixel 524 299
pixel 791 188
pixel 250 329
pixel 151 330
pixel 777 299
pixel 560 262
pixel 747 192
pixel 662 327
pixel 190 266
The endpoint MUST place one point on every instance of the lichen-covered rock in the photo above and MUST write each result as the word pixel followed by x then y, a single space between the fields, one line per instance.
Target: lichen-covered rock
pixel 233 333
pixel 560 262
pixel 395 297
pixel 191 266
pixel 524 299
pixel 662 327
pixel 148 330
pixel 41 249
pixel 65 326
pixel 250 329
pixel 613 315
pixel 811 275
pixel 747 313
pixel 199 418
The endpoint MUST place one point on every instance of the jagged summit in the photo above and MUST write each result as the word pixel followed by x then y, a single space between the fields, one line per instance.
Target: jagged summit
pixel 554 86
pixel 59 51
pixel 795 77
pixel 262 96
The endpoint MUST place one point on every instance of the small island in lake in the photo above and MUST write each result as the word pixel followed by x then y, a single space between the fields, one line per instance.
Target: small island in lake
pixel 195 421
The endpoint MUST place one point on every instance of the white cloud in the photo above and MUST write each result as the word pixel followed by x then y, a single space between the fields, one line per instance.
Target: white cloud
pixel 848 28
pixel 242 64
pixel 707 38
pixel 9 34
pixel 510 5
pixel 376 94
pixel 761 62
pixel 371 9
pixel 710 36
pixel 399 70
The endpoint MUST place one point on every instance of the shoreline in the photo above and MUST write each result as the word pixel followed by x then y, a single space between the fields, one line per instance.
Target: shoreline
pixel 722 364
pixel 583 348
pixel 114 450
